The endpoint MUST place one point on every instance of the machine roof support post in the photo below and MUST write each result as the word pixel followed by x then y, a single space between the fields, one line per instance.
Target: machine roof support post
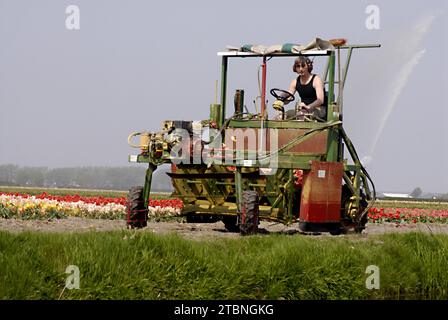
pixel 325 73
pixel 342 83
pixel 263 88
pixel 339 100
pixel 333 141
pixel 223 89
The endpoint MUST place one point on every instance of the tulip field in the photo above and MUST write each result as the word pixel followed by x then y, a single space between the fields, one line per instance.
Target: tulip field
pixel 47 206
pixel 34 205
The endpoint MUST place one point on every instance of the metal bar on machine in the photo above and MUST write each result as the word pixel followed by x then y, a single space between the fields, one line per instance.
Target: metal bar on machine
pixel 348 182
pixel 347 63
pixel 223 89
pixel 239 189
pixel 325 74
pixel 333 140
pixel 360 46
pixel 339 101
pixel 263 88
pixel 147 187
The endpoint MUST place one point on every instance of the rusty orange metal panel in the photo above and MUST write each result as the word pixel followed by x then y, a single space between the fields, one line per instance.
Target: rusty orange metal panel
pixel 321 193
pixel 316 144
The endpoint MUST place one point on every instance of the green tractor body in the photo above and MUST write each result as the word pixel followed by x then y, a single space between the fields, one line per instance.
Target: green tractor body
pixel 251 168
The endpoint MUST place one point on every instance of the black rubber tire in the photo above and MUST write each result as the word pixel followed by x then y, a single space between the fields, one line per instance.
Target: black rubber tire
pixel 336 232
pixel 137 214
pixel 249 214
pixel 231 223
pixel 362 205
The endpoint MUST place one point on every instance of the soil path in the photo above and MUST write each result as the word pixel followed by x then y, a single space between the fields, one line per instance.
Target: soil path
pixel 191 230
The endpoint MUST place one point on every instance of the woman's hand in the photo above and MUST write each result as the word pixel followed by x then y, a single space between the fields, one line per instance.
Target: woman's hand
pixel 303 106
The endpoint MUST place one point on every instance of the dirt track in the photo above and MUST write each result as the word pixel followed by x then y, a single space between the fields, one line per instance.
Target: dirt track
pixel 190 230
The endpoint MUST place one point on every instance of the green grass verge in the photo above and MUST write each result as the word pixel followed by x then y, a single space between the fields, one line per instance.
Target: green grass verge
pixel 140 265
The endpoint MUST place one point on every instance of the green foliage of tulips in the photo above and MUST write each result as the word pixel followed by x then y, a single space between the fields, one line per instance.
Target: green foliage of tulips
pixel 140 265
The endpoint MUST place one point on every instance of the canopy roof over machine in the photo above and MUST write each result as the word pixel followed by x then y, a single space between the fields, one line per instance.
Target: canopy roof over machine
pixel 315 47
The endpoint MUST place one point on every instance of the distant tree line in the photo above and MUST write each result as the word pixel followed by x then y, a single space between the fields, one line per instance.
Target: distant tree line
pixel 110 178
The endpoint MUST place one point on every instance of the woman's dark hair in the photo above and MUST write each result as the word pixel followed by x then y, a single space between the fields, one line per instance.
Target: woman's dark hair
pixel 303 61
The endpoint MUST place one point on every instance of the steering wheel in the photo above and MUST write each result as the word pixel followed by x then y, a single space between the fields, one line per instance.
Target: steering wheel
pixel 282 95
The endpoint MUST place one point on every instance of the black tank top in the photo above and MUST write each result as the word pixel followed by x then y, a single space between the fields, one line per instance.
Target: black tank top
pixel 307 92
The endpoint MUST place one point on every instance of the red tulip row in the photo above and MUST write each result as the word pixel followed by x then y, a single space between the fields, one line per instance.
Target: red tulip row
pixel 164 203
pixel 407 215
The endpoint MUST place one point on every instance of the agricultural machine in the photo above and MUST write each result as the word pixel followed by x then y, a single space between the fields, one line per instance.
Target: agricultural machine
pixel 246 167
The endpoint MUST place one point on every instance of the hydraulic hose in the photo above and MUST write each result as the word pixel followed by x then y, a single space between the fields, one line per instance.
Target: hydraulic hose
pixel 363 169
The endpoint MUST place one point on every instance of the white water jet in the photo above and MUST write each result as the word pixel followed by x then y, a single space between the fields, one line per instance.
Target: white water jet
pixel 411 54
pixel 400 83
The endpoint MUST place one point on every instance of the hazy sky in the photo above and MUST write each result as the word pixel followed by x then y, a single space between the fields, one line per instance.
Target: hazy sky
pixel 71 97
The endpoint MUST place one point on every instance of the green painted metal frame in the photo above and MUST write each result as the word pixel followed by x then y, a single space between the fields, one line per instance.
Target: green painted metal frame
pixel 287 161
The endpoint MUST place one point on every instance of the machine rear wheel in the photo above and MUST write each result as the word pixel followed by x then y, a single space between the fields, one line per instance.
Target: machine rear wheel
pixel 249 215
pixel 137 214
pixel 338 231
pixel 362 206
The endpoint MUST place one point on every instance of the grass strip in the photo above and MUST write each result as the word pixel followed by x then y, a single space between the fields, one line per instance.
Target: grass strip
pixel 140 265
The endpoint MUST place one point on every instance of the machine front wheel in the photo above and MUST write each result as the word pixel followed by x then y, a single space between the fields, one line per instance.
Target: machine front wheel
pixel 249 215
pixel 137 214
